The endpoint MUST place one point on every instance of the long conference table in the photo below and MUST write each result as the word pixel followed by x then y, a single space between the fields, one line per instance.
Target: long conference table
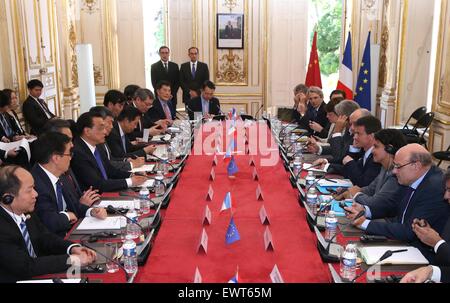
pixel 174 256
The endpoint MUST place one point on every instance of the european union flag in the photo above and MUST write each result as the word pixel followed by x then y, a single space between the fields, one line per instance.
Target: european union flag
pixel 235 279
pixel 363 90
pixel 232 233
pixel 226 202
pixel 232 167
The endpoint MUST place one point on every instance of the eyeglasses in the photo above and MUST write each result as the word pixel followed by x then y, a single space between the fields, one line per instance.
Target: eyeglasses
pixel 68 155
pixel 397 166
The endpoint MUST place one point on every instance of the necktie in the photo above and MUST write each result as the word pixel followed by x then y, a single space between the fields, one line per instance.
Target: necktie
pixel 167 111
pixel 406 200
pixel 193 71
pixel 166 67
pixel 6 127
pixel 59 196
pixel 124 144
pixel 100 166
pixel 26 237
pixel 45 107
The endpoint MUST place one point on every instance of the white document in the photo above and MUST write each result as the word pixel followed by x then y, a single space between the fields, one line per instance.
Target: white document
pixel 149 183
pixel 143 169
pixel 90 223
pixel 16 145
pixel 372 254
pixel 337 183
pixel 315 169
pixel 159 137
pixel 126 204
pixel 146 135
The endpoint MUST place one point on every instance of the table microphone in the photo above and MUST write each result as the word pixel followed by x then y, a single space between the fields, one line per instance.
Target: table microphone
pixel 284 127
pixel 112 209
pixel 259 110
pixel 386 255
pixel 164 160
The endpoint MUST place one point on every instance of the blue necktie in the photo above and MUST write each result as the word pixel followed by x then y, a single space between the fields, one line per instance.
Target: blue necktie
pixel 124 143
pixel 26 237
pixel 100 166
pixel 59 196
pixel 6 126
pixel 193 71
pixel 406 200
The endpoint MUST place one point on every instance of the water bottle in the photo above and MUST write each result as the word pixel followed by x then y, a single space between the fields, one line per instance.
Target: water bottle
pixel 171 153
pixel 133 230
pixel 311 199
pixel 297 169
pixel 144 194
pixel 310 179
pixel 330 225
pixel 348 262
pixel 129 255
pixel 160 187
pixel 164 167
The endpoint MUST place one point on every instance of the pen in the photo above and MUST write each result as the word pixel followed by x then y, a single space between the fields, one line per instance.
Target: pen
pixel 399 251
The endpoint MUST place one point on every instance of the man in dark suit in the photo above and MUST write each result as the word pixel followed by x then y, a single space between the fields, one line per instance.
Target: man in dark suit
pixel 58 205
pixel 364 170
pixel 313 112
pixel 193 71
pixel 118 141
pixel 35 110
pixel 206 103
pixel 27 248
pixel 162 109
pixel 422 198
pixel 165 70
pixel 115 101
pixel 90 166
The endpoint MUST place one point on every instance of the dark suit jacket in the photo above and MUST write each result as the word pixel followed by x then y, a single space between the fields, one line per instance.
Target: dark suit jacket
pixel 310 115
pixel 362 175
pixel 157 113
pixel 195 105
pixel 443 252
pixel 88 174
pixel 15 262
pixel 119 163
pixel 115 144
pixel 173 76
pixel 16 123
pixel 201 75
pixel 16 131
pixel 426 203
pixel 339 147
pixel 445 274
pixel 47 206
pixel 34 115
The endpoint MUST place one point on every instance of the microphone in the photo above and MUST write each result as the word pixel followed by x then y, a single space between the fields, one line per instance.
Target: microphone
pixel 259 110
pixel 113 210
pixel 296 141
pixel 284 127
pixel 127 275
pixel 386 255
pixel 164 160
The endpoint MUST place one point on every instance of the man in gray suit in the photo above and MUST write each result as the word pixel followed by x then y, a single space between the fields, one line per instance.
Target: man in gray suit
pixel 385 187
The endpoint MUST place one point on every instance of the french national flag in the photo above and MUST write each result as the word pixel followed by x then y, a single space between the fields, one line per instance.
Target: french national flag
pixel 345 82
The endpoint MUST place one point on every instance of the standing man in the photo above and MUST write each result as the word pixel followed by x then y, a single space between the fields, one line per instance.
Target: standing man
pixel 35 110
pixel 193 71
pixel 166 70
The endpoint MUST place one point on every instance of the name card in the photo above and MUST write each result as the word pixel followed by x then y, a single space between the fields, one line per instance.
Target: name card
pixel 268 241
pixel 203 245
pixel 198 276
pixel 255 175
pixel 215 160
pixel 259 194
pixel 212 176
pixel 263 216
pixel 210 194
pixel 247 150
pixel 207 216
pixel 252 162
pixel 275 275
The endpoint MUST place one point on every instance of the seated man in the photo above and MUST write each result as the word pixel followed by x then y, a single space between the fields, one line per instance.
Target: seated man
pixel 325 134
pixel 440 245
pixel 27 248
pixel 312 112
pixel 90 166
pixel 423 198
pixel 163 109
pixel 206 103
pixel 385 188
pixel 364 170
pixel 300 96
pixel 118 141
pixel 114 100
pixel 57 204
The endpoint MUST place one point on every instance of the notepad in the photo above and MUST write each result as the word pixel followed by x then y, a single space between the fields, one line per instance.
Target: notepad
pixel 337 183
pixel 149 183
pixel 315 169
pixel 371 254
pixel 143 169
pixel 126 204
pixel 91 223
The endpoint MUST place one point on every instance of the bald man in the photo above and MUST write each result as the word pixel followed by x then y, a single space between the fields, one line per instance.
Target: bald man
pixel 423 198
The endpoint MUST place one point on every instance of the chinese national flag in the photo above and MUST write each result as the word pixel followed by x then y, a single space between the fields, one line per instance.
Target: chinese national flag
pixel 313 76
